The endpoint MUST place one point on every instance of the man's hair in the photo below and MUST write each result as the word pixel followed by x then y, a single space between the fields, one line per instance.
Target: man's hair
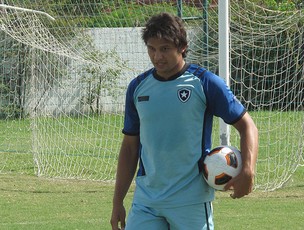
pixel 168 27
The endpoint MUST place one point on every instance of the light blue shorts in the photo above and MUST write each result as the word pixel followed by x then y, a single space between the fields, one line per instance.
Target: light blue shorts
pixel 194 217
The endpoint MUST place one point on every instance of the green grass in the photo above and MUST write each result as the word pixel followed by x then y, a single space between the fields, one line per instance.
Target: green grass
pixel 64 146
pixel 29 202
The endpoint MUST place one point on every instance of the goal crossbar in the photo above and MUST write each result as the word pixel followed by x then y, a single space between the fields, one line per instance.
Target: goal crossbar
pixel 27 10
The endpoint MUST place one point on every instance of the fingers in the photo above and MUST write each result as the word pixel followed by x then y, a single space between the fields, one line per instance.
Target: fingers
pixel 241 186
pixel 114 225
pixel 232 196
pixel 118 218
pixel 117 225
pixel 228 186
pixel 240 192
pixel 235 195
pixel 123 224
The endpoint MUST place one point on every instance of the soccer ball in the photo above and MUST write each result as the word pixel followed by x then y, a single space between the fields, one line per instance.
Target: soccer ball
pixel 220 165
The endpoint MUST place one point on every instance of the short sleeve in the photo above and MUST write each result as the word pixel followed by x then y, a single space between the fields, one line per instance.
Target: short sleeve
pixel 221 102
pixel 131 118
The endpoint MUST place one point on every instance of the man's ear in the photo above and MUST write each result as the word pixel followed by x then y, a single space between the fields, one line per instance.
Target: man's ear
pixel 183 49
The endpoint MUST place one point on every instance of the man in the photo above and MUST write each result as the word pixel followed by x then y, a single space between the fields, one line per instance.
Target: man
pixel 167 131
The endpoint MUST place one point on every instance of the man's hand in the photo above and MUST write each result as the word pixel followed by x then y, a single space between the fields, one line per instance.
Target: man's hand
pixel 118 218
pixel 242 184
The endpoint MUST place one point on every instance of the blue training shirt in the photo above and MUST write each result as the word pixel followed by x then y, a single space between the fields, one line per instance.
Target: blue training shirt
pixel 173 119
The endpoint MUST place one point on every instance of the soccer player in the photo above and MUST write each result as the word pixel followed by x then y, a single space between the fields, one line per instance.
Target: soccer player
pixel 167 132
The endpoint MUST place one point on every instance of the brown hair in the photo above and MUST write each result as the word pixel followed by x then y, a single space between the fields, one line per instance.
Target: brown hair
pixel 168 27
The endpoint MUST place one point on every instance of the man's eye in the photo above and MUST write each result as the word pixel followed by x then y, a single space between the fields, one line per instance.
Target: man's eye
pixel 151 49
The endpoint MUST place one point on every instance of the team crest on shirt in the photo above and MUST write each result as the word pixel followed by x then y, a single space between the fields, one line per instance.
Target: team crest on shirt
pixel 184 94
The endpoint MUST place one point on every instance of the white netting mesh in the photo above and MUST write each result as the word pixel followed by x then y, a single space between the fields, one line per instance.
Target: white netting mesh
pixel 63 82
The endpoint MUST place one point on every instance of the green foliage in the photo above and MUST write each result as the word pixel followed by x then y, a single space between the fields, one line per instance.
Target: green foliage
pixel 285 61
pixel 89 14
pixel 122 13
pixel 130 14
pixel 13 68
pixel 99 80
pixel 281 5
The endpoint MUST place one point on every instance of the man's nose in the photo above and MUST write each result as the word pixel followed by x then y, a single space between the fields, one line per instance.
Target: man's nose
pixel 158 55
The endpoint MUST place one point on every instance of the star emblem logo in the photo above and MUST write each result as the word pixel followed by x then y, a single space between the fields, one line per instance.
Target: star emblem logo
pixel 184 94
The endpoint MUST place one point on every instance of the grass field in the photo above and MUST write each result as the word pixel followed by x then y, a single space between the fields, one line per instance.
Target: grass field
pixel 31 202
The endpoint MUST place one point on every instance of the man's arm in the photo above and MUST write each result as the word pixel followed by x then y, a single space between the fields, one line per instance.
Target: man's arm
pixel 127 164
pixel 243 183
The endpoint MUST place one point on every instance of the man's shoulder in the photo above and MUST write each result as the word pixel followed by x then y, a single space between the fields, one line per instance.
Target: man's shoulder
pixel 144 75
pixel 196 70
pixel 139 78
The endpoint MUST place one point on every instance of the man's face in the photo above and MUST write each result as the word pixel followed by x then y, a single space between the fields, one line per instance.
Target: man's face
pixel 165 57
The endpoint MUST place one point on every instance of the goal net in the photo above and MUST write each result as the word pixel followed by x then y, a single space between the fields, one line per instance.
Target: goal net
pixel 63 81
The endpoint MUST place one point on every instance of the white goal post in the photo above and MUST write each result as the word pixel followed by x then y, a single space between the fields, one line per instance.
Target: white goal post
pixel 3 6
pixel 224 60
